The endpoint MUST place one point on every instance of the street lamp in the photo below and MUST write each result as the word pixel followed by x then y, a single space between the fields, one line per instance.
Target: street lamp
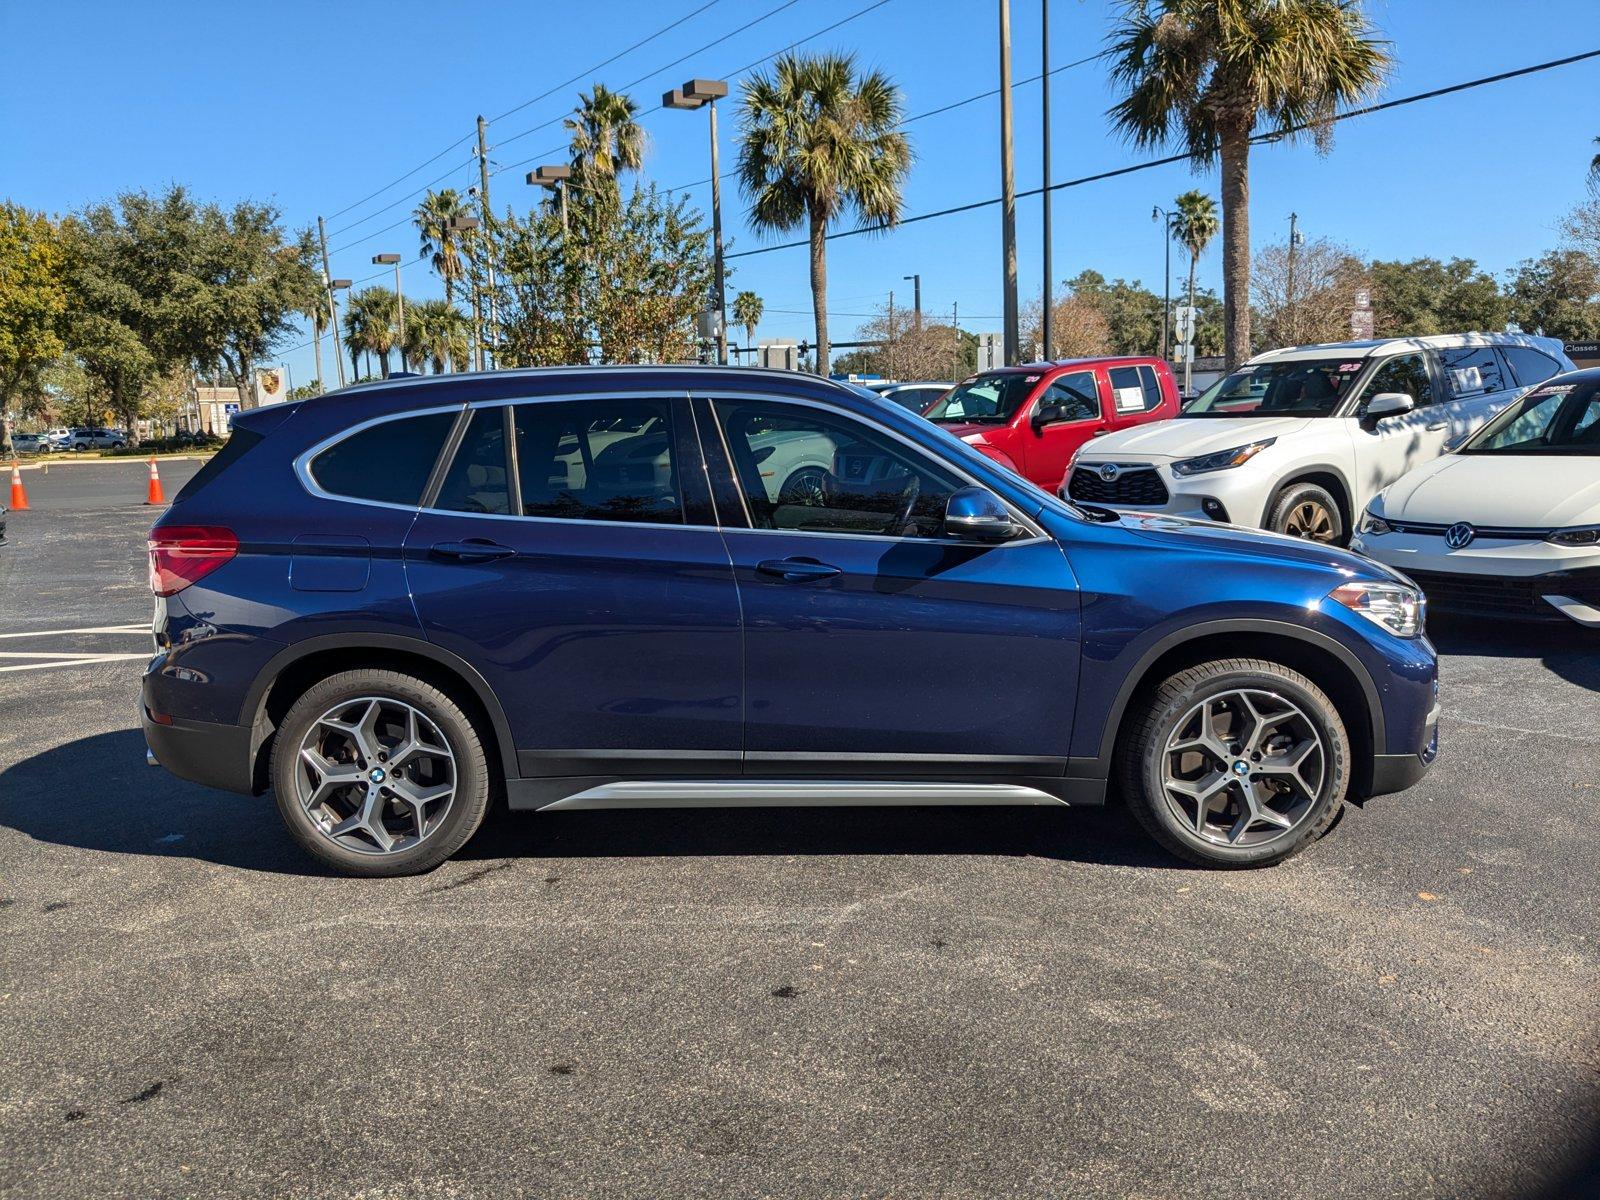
pixel 467 225
pixel 388 260
pixel 1157 213
pixel 336 285
pixel 555 177
pixel 916 297
pixel 694 94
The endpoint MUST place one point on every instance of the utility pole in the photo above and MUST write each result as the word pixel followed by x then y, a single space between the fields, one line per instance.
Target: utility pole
pixel 333 306
pixel 955 340
pixel 1044 86
pixel 1008 192
pixel 1160 214
pixel 1288 283
pixel 889 342
pixel 488 233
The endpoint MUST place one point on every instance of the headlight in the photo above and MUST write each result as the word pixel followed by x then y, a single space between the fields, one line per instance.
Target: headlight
pixel 1373 525
pixel 1396 607
pixel 1221 460
pixel 1584 535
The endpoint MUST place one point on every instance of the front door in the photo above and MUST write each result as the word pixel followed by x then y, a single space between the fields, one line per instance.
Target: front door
pixel 874 645
pixel 569 554
pixel 1386 449
pixel 1076 411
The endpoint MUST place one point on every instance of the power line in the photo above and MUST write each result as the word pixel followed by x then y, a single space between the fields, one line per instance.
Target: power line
pixel 402 179
pixel 403 199
pixel 1149 164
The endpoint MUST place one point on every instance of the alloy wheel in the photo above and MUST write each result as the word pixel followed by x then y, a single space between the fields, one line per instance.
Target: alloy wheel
pixel 1311 520
pixel 375 775
pixel 1243 768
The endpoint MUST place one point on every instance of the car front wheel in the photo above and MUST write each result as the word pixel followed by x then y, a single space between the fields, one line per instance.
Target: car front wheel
pixel 1304 510
pixel 379 773
pixel 1234 763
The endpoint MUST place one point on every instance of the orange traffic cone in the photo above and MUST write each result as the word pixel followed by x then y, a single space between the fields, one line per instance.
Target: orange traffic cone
pixel 19 497
pixel 153 492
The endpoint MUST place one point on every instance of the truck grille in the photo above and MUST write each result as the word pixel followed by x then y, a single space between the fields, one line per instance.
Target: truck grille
pixel 1133 485
pixel 1507 595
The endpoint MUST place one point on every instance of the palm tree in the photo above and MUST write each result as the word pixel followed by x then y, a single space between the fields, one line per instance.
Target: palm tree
pixel 1202 73
pixel 747 309
pixel 443 244
pixel 1194 225
pixel 606 138
pixel 437 335
pixel 369 325
pixel 818 141
pixel 1594 163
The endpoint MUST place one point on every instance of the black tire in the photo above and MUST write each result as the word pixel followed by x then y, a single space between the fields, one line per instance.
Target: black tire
pixel 473 774
pixel 1305 510
pixel 1153 721
pixel 803 486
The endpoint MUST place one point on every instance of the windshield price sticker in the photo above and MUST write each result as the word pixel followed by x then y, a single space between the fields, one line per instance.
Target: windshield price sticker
pixel 1349 368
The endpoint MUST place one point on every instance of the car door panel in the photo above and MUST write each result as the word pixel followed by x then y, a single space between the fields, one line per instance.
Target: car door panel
pixel 1386 449
pixel 1046 451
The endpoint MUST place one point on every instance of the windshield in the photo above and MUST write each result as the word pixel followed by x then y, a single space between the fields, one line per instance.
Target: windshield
pixel 984 399
pixel 1560 418
pixel 1308 388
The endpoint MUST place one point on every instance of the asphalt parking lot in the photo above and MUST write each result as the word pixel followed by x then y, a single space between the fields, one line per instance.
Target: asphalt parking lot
pixel 821 1002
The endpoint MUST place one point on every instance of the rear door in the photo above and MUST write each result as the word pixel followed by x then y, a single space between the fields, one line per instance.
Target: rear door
pixel 569 555
pixel 874 645
pixel 1477 385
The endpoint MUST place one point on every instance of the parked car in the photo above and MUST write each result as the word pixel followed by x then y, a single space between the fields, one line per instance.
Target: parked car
pixel 369 605
pixel 30 443
pixel 1033 418
pixel 97 438
pixel 1509 524
pixel 914 396
pixel 60 438
pixel 1299 440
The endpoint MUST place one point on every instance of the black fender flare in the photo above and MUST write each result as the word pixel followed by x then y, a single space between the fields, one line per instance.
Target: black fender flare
pixel 255 701
pixel 1286 629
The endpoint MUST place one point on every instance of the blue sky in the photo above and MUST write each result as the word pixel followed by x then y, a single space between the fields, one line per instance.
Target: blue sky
pixel 319 104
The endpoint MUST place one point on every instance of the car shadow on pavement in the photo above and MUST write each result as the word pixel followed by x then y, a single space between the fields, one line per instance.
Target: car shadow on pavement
pixel 96 793
pixel 1569 650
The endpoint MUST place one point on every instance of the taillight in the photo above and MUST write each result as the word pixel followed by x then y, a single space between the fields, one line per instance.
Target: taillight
pixel 183 554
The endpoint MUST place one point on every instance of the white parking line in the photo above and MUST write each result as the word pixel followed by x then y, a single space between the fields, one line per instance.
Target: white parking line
pixel 142 629
pixel 90 660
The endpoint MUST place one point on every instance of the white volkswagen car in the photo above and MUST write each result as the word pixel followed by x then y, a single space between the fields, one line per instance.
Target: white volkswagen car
pixel 1299 440
pixel 1508 524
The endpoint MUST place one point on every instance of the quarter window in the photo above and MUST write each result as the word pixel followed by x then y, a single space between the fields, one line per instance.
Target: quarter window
pixel 389 462
pixel 1528 365
pixel 1405 373
pixel 599 460
pixel 1472 371
pixel 1135 389
pixel 477 479
pixel 807 471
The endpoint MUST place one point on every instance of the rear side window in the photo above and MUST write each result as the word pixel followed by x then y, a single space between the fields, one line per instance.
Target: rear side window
pixel 388 462
pixel 1528 365
pixel 1136 389
pixel 1472 371
pixel 232 451
pixel 599 460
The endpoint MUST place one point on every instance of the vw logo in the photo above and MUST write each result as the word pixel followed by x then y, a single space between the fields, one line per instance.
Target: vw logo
pixel 1109 471
pixel 1459 536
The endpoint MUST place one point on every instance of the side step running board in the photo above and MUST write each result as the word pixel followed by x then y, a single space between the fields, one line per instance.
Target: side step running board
pixel 810 793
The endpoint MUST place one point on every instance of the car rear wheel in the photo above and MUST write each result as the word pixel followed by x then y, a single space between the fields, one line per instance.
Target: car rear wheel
pixel 378 773
pixel 1304 510
pixel 1234 763
pixel 803 487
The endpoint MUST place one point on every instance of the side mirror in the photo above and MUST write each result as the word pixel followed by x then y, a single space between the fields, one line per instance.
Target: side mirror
pixel 976 514
pixel 1388 404
pixel 1046 413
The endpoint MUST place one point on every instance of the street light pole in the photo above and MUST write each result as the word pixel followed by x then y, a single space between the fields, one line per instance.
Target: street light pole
pixel 1160 214
pixel 1008 193
pixel 337 285
pixel 692 95
pixel 916 299
pixel 555 178
pixel 1044 85
pixel 399 298
pixel 333 305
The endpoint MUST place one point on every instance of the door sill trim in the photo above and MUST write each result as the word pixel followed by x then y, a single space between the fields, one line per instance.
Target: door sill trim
pixel 797 793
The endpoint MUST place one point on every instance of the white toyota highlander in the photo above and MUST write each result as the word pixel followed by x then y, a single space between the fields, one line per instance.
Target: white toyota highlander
pixel 1299 440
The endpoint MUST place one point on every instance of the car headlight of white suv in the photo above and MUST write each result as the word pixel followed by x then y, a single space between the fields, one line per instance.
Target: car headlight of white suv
pixel 1220 460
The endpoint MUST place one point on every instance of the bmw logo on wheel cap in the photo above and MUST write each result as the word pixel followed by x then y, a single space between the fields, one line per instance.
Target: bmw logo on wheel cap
pixel 1108 471
pixel 1459 536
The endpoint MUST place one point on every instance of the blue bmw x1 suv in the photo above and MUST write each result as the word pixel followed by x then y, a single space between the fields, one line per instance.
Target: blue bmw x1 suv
pixel 691 586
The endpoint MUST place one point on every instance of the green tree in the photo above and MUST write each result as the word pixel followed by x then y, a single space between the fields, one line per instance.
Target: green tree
pixel 1424 296
pixel 1132 313
pixel 369 326
pixel 438 335
pixel 747 310
pixel 1558 294
pixel 817 142
pixel 1194 227
pixel 607 138
pixel 33 306
pixel 1207 74
pixel 442 245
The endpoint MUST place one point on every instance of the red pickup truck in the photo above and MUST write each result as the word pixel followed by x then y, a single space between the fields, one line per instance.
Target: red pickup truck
pixel 1033 418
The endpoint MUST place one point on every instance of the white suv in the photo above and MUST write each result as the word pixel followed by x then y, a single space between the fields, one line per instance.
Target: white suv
pixel 1299 440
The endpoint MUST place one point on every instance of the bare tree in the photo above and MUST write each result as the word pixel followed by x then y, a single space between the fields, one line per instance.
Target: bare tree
pixel 1308 299
pixel 1079 328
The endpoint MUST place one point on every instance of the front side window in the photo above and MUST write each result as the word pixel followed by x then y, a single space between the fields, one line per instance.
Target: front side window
pixel 1528 365
pixel 1472 371
pixel 388 462
pixel 808 471
pixel 608 459
pixel 1301 388
pixel 1075 395
pixel 984 399
pixel 1404 373
pixel 1562 418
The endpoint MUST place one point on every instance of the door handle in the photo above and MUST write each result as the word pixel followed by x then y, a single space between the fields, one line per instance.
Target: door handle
pixel 471 550
pixel 797 570
pixel 1439 426
pixel 1100 433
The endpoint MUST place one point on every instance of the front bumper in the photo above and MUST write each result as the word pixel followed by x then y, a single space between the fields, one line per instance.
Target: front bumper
pixel 1495 577
pixel 1237 496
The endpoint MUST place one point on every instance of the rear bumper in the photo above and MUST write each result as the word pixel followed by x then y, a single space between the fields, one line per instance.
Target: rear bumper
pixel 200 751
